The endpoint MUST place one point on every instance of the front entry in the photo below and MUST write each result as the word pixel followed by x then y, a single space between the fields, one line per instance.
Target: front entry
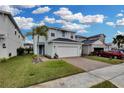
pixel 41 49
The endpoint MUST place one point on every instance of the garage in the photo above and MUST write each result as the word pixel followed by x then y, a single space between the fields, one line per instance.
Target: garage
pixel 98 49
pixel 64 47
pixel 67 51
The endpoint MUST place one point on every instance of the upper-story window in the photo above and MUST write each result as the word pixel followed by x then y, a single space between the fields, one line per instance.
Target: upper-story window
pixel 15 32
pixel 63 34
pixel 4 45
pixel 19 36
pixel 52 34
pixel 71 36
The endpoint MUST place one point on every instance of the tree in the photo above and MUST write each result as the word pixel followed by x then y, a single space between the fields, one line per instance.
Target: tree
pixel 119 39
pixel 39 31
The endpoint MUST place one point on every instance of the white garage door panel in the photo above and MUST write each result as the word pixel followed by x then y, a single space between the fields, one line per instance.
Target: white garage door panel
pixel 67 51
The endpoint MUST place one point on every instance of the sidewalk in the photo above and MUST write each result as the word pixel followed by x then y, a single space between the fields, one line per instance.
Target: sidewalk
pixel 114 73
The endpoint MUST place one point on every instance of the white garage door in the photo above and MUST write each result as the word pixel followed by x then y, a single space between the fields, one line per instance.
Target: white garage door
pixel 67 51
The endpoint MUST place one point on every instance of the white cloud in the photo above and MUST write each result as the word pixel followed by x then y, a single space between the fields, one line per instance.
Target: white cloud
pixel 119 15
pixel 28 40
pixel 75 27
pixel 89 19
pixel 67 15
pixel 12 10
pixel 120 33
pixel 25 23
pixel 61 21
pixel 120 22
pixel 41 10
pixel 26 6
pixel 41 23
pixel 110 23
pixel 81 31
pixel 49 20
pixel 122 11
pixel 63 12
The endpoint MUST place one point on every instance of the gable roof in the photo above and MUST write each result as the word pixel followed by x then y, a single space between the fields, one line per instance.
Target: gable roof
pixel 12 20
pixel 95 36
pixel 81 36
pixel 60 29
pixel 63 40
pixel 87 42
pixel 98 35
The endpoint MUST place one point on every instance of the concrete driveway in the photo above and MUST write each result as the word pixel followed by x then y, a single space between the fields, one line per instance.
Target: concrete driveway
pixel 85 64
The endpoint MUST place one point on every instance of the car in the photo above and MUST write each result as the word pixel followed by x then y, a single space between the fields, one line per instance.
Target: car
pixel 111 54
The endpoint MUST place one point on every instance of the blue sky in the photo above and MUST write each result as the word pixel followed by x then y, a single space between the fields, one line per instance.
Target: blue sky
pixel 86 20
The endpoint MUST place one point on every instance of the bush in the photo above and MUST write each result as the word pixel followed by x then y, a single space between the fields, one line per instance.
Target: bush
pixel 34 56
pixel 56 56
pixel 20 51
pixel 28 50
pixel 48 56
pixel 3 60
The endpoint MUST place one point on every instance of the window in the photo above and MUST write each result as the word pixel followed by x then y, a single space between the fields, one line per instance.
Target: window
pixel 19 36
pixel 63 34
pixel 71 36
pixel 15 32
pixel 10 54
pixel 4 45
pixel 52 34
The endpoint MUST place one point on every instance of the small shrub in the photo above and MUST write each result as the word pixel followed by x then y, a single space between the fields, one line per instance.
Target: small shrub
pixel 56 56
pixel 34 56
pixel 3 60
pixel 48 56
pixel 20 51
pixel 28 50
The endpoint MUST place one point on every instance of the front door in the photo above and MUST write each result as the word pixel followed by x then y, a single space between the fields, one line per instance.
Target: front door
pixel 41 49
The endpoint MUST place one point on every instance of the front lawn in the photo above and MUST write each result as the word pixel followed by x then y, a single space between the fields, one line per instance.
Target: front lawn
pixel 106 60
pixel 21 72
pixel 105 84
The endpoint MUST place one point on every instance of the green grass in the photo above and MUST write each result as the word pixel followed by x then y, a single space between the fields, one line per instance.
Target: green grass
pixel 106 60
pixel 105 84
pixel 21 72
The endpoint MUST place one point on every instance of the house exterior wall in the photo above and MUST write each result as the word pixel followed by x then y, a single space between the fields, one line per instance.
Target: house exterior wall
pixel 87 49
pixel 80 39
pixel 44 41
pixel 53 48
pixel 11 41
pixel 101 38
pixel 58 34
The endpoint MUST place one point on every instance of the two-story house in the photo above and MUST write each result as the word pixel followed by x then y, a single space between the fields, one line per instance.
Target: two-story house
pixel 92 43
pixel 60 42
pixel 11 37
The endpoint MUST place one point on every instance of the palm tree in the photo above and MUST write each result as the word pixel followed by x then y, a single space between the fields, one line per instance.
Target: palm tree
pixel 39 31
pixel 119 39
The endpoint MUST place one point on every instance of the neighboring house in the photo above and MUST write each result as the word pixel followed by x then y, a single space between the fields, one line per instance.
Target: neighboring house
pixel 112 46
pixel 28 45
pixel 80 38
pixel 60 42
pixel 89 46
pixel 92 43
pixel 11 37
pixel 100 37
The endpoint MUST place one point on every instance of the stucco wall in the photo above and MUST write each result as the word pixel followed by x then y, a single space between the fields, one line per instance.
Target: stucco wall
pixel 11 41
pixel 55 45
